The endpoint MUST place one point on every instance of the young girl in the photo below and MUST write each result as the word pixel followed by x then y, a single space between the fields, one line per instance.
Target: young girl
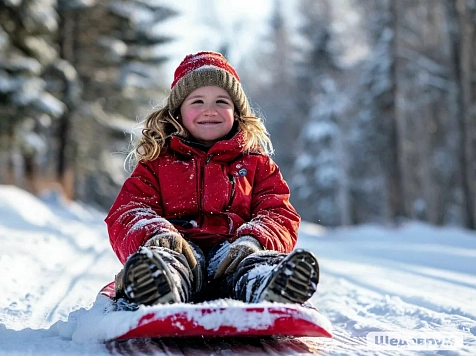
pixel 206 212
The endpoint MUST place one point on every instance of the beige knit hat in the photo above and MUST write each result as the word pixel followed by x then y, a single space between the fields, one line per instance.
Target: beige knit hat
pixel 207 69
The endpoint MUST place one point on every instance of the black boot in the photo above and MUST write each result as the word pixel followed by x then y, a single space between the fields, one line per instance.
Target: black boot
pixel 276 277
pixel 157 275
pixel 294 280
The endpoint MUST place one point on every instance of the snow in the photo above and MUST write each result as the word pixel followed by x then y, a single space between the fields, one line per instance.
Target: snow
pixel 86 326
pixel 416 279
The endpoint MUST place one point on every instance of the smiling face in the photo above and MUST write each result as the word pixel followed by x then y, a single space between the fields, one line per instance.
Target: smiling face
pixel 207 114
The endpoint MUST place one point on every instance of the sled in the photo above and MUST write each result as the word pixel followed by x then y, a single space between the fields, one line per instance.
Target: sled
pixel 223 318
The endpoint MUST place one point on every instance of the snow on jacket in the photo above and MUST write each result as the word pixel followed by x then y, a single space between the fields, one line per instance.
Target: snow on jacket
pixel 207 197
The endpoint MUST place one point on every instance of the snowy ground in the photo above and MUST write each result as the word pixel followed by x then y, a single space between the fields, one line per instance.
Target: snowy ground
pixel 416 279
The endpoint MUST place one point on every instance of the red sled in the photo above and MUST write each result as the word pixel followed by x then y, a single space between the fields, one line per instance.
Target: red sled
pixel 222 318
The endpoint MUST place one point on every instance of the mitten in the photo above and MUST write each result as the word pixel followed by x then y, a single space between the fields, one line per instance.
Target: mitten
pixel 174 242
pixel 238 251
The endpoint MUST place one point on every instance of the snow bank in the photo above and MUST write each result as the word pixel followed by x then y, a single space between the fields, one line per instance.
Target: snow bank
pixel 56 257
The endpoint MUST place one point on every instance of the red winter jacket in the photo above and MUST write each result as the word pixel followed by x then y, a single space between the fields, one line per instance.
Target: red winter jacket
pixel 208 197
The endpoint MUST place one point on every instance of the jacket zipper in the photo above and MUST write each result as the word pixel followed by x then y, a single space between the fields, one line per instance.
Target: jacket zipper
pixel 202 185
pixel 200 191
pixel 232 193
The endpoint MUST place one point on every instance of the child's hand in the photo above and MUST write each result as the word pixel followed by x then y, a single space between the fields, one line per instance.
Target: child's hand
pixel 238 251
pixel 174 242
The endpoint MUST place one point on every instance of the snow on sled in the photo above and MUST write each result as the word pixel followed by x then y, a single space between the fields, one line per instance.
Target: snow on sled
pixel 221 318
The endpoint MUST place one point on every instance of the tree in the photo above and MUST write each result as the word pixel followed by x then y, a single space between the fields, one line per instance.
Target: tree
pixel 465 46
pixel 75 76
pixel 428 111
pixel 319 181
pixel 371 131
pixel 115 46
pixel 28 109
pixel 272 86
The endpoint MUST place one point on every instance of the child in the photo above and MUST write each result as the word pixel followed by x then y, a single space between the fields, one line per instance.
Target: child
pixel 206 212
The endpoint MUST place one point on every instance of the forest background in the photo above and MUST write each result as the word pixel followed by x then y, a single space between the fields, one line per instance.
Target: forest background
pixel 371 104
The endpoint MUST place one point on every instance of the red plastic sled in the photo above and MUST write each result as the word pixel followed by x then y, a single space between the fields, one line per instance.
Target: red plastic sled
pixel 224 318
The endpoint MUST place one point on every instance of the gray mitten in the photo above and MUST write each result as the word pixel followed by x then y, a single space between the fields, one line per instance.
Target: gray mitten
pixel 238 251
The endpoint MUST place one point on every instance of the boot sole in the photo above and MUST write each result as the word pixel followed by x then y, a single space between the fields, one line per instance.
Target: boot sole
pixel 147 279
pixel 295 280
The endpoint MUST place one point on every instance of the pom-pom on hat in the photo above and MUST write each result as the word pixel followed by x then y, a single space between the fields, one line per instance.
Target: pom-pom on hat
pixel 207 69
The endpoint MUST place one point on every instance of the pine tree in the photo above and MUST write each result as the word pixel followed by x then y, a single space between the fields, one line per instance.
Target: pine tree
pixel 319 180
pixel 75 76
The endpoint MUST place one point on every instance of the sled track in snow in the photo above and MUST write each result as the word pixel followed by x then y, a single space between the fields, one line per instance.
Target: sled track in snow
pixel 218 346
pixel 54 301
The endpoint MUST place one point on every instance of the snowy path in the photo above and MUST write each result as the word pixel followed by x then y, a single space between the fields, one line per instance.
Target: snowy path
pixel 54 259
pixel 418 278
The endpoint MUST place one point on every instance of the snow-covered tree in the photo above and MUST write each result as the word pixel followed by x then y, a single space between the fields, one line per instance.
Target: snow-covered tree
pixel 72 72
pixel 116 47
pixel 374 169
pixel 27 107
pixel 271 85
pixel 319 180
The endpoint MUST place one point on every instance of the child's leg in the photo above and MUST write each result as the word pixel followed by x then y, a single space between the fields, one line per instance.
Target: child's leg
pixel 221 287
pixel 275 277
pixel 198 272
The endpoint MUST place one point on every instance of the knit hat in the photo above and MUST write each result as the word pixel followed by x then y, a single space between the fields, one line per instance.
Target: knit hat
pixel 207 69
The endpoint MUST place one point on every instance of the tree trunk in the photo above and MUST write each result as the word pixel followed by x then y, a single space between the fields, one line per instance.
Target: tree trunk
pixel 427 112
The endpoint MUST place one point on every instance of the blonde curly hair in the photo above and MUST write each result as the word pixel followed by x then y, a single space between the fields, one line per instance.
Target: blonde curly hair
pixel 160 126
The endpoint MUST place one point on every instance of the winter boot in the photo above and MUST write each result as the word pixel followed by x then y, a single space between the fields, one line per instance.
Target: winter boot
pixel 276 277
pixel 294 280
pixel 156 275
